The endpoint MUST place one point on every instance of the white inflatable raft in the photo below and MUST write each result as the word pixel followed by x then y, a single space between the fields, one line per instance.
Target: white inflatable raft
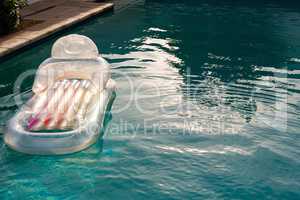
pixel 72 92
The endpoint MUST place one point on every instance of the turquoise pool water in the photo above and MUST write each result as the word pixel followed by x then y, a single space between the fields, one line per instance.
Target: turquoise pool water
pixel 207 107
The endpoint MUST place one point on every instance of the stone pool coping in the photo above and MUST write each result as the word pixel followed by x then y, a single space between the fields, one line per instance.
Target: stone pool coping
pixel 50 17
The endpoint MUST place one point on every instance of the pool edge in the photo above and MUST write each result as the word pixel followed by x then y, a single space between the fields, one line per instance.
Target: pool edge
pixel 13 42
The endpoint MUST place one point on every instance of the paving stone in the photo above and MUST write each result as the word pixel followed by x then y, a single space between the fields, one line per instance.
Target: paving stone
pixel 3 51
pixel 13 43
pixel 56 15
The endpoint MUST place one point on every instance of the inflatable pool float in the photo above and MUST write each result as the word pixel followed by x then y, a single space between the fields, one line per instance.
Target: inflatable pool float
pixel 72 92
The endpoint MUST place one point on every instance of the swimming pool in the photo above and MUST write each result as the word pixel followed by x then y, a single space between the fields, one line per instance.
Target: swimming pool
pixel 207 107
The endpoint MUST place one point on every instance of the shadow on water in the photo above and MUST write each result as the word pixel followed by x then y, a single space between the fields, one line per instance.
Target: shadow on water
pixel 254 3
pixel 224 56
